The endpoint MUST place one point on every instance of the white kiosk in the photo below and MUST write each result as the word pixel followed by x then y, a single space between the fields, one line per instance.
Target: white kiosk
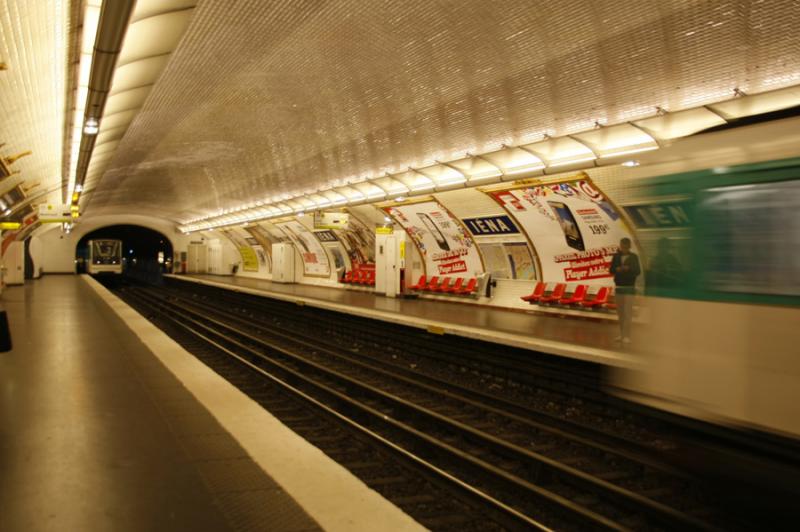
pixel 390 259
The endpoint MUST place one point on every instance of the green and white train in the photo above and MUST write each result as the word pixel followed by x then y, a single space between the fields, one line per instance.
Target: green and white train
pixel 720 338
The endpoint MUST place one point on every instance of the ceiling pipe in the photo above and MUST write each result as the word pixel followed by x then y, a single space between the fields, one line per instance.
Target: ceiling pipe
pixel 111 28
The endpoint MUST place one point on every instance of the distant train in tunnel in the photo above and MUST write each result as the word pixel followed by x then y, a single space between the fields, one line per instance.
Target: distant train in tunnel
pixel 719 335
pixel 104 257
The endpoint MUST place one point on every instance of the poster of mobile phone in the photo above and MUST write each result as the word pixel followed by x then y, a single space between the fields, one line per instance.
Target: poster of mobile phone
pixel 315 260
pixel 445 245
pixel 573 227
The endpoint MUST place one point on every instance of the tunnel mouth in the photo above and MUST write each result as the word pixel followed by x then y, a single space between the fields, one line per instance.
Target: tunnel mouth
pixel 143 249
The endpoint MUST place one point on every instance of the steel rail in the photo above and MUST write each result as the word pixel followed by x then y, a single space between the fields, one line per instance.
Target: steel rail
pixel 612 493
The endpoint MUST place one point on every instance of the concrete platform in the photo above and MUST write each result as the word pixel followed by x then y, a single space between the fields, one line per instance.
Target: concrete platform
pixel 581 339
pixel 107 424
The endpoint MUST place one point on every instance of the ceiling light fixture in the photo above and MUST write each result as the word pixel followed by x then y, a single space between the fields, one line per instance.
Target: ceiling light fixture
pixel 600 146
pixel 91 126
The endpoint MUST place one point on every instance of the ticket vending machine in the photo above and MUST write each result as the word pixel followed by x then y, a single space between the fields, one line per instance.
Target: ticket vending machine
pixel 283 263
pixel 390 257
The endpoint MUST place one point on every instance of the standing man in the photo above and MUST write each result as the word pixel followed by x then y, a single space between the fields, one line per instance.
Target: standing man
pixel 625 268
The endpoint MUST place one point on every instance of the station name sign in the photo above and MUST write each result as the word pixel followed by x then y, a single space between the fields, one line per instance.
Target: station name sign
pixel 326 236
pixel 491 225
pixel 659 215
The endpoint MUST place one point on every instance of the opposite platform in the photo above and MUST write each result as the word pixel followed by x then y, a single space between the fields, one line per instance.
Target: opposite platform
pixel 106 424
pixel 563 336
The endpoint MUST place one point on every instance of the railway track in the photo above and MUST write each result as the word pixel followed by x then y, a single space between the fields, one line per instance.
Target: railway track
pixel 522 467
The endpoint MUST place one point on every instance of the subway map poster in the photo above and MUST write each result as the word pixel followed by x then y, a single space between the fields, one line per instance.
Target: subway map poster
pixel 573 227
pixel 445 246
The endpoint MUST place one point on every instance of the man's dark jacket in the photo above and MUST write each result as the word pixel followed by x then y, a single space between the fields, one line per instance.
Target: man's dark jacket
pixel 627 277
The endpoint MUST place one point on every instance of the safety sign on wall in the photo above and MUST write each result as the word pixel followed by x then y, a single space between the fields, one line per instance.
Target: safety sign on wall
pixel 574 229
pixel 446 247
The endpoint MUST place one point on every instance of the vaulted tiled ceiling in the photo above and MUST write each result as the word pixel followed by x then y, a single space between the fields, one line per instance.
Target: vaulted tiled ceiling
pixel 33 37
pixel 262 99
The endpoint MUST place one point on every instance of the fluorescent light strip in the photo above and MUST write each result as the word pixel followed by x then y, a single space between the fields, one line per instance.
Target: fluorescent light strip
pixel 522 169
pixel 91 19
pixel 355 196
pixel 571 161
pixel 628 152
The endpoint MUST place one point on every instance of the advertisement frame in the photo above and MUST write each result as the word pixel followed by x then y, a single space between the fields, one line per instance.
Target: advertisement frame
pixel 534 182
pixel 425 199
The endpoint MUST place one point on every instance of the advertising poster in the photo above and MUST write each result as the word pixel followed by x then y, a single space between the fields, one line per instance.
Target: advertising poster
pixel 315 260
pixel 358 241
pixel 573 227
pixel 264 248
pixel 446 247
pixel 244 245
pixel 249 259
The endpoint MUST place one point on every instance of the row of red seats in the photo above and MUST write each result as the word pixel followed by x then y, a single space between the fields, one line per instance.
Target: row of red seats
pixel 447 285
pixel 580 295
pixel 362 277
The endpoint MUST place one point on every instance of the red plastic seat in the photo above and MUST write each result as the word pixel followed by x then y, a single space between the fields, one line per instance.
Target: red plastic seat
pixel 420 284
pixel 538 292
pixel 555 295
pixel 454 288
pixel 471 287
pixel 432 284
pixel 576 296
pixel 368 277
pixel 601 298
pixel 444 286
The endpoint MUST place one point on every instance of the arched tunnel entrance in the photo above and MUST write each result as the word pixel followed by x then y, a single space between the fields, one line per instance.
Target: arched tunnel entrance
pixel 143 250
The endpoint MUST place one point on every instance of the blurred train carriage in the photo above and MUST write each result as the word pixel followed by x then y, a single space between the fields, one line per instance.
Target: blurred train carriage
pixel 105 257
pixel 722 249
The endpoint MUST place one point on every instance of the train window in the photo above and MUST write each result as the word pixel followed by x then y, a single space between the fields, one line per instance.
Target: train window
pixel 752 238
pixel 106 251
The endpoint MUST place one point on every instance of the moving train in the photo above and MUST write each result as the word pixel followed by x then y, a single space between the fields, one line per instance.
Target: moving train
pixel 721 308
pixel 105 257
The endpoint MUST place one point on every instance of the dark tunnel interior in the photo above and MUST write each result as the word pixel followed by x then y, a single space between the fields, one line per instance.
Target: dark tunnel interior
pixel 143 249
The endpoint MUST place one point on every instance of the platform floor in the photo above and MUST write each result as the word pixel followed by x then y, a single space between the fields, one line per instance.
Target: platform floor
pixel 583 339
pixel 99 432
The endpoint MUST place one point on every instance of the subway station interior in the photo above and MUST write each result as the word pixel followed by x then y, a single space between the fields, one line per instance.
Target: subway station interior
pixel 390 266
